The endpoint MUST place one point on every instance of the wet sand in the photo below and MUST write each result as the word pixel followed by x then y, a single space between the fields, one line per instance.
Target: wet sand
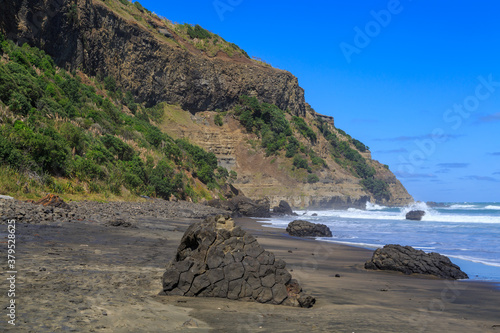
pixel 88 277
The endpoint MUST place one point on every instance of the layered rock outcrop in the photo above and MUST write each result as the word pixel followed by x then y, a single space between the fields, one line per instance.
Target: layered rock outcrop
pixel 218 259
pixel 408 260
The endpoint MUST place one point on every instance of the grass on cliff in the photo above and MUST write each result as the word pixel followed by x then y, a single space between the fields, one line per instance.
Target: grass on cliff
pixel 197 36
pixel 53 126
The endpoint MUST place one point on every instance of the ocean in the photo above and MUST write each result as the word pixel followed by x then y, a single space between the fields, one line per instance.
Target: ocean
pixel 468 233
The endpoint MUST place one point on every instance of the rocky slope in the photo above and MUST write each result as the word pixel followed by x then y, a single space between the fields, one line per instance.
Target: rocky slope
pixel 151 58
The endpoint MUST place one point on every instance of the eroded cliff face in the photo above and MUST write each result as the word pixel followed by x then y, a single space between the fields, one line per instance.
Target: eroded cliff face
pixel 91 36
pixel 87 35
pixel 275 176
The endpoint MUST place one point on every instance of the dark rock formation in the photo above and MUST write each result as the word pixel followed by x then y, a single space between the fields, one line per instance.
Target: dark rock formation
pixel 302 228
pixel 243 206
pixel 283 209
pixel 415 215
pixel 409 260
pixel 230 191
pixel 217 259
pixel 338 202
pixel 436 204
pixel 165 33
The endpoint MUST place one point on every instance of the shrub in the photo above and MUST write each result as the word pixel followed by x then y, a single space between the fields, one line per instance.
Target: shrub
pixel 218 120
pixel 197 32
pixel 264 119
pixel 312 178
pixel 118 148
pixel 300 163
pixel 377 187
pixel 110 83
pixel 359 145
pixel 139 6
pixel 305 130
pixel 292 147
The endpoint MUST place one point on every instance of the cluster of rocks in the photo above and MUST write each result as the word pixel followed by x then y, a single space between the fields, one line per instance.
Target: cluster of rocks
pixel 415 215
pixel 241 205
pixel 218 259
pixel 408 260
pixel 112 213
pixel 301 228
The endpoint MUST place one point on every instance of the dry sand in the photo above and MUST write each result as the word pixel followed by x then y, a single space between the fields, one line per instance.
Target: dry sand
pixel 87 277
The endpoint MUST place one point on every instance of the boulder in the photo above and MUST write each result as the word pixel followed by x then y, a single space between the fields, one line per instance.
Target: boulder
pixel 283 209
pixel 165 33
pixel 415 215
pixel 408 260
pixel 303 228
pixel 218 259
pixel 243 206
pixel 229 191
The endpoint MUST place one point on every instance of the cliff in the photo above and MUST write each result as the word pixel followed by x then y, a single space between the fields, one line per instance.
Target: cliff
pixel 104 38
pixel 158 62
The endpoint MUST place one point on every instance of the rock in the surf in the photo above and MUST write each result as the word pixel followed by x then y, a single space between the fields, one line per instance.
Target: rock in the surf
pixel 415 215
pixel 218 259
pixel 408 260
pixel 301 228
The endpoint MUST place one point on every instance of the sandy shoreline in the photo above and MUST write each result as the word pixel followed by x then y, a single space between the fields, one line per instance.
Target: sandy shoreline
pixel 89 277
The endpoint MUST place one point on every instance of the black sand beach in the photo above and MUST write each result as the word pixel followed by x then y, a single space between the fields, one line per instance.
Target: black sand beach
pixel 85 276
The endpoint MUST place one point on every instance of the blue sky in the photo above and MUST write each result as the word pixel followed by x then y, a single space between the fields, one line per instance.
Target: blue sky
pixel 416 81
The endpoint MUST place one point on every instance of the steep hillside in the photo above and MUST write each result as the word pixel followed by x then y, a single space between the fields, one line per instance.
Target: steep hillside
pixel 251 116
pixel 65 133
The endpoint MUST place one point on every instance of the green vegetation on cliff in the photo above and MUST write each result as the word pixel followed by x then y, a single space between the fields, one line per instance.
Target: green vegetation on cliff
pixel 276 135
pixel 72 135
pixel 352 160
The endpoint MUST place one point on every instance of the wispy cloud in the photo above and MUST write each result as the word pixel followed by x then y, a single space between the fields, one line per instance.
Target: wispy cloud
pixel 408 175
pixel 392 151
pixel 490 118
pixel 453 165
pixel 481 178
pixel 421 137
pixel 496 173
pixel 496 153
